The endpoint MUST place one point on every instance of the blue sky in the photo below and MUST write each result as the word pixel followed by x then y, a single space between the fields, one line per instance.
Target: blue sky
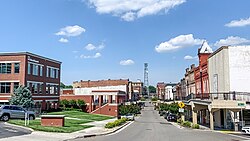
pixel 107 39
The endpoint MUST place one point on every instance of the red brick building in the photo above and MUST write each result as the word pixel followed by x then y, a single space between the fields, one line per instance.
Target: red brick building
pixel 160 90
pixel 101 97
pixel 201 72
pixel 40 74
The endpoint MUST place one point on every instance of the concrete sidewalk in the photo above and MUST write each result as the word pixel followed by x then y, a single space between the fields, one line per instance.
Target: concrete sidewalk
pixel 97 130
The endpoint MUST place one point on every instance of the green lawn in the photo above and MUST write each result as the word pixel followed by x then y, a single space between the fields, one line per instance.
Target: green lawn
pixel 71 125
pixel 82 115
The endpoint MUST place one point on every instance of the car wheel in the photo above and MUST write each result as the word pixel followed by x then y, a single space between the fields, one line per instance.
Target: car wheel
pixel 31 117
pixel 5 118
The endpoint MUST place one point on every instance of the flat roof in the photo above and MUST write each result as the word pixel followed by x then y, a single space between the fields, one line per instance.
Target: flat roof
pixel 28 53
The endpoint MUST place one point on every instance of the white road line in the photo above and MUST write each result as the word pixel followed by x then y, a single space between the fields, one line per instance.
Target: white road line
pixel 10 130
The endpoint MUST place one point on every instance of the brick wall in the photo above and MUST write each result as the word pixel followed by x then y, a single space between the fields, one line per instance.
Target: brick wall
pixel 83 84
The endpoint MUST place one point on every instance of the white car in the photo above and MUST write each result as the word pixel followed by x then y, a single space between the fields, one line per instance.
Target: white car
pixel 129 116
pixel 246 130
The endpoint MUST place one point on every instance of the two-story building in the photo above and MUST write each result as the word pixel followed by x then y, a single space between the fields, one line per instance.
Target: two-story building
pixel 40 74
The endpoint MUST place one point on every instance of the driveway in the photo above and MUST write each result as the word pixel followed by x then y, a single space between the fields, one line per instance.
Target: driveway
pixel 10 131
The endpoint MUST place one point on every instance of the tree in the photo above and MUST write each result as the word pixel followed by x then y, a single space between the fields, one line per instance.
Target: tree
pixel 65 86
pixel 64 103
pixel 22 97
pixel 152 89
pixel 80 103
pixel 62 85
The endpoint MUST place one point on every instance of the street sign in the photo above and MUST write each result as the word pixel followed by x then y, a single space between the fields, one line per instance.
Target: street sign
pixel 181 105
pixel 181 110
pixel 241 104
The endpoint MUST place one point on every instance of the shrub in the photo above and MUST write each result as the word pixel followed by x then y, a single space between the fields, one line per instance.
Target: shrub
pixel 154 99
pixel 179 121
pixel 187 124
pixel 129 109
pixel 64 103
pixel 80 103
pixel 195 126
pixel 116 123
pixel 72 103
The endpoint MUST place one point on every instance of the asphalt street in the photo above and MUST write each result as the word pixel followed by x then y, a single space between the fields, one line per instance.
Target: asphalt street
pixel 151 127
pixel 10 131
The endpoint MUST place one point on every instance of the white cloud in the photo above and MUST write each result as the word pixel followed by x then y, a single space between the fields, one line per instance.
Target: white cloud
pixel 188 57
pixel 97 55
pixel 63 40
pixel 127 62
pixel 71 31
pixel 93 47
pixel 178 42
pixel 239 23
pixel 231 40
pixel 129 10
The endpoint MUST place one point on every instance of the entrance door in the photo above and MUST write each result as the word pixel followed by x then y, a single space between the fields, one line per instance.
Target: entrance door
pixel 222 117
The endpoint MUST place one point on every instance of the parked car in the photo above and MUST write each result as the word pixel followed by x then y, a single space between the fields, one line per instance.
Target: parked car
pixel 172 117
pixel 246 130
pixel 128 116
pixel 14 112
pixel 166 114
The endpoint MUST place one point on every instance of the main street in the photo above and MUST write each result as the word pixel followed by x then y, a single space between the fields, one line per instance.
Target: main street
pixel 151 127
pixel 10 131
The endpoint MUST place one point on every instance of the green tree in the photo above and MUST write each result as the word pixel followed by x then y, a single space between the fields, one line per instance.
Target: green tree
pixel 22 97
pixel 152 89
pixel 80 103
pixel 72 103
pixel 64 103
pixel 62 85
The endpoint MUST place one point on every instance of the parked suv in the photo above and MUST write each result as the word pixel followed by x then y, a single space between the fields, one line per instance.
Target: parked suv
pixel 14 112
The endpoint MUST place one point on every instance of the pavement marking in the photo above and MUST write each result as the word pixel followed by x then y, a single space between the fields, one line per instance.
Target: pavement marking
pixel 120 129
pixel 11 130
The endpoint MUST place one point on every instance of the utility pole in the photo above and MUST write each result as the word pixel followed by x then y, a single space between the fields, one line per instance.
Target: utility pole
pixel 146 77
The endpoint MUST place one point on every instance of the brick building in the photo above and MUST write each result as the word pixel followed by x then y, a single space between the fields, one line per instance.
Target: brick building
pixel 201 72
pixel 101 97
pixel 40 74
pixel 160 90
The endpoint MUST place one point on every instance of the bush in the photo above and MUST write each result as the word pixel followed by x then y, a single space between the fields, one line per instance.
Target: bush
pixel 195 126
pixel 116 123
pixel 154 99
pixel 187 124
pixel 64 103
pixel 129 109
pixel 179 121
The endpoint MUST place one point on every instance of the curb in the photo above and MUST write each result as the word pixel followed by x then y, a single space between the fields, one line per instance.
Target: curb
pixel 14 125
pixel 102 134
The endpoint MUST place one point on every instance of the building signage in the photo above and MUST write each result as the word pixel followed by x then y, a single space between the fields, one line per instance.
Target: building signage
pixel 33 60
pixel 181 110
pixel 241 104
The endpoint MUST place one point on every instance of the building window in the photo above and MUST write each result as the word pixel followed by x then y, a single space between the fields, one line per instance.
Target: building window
pixel 35 70
pixel 29 68
pixel 5 68
pixel 57 72
pixel 41 71
pixel 96 99
pixel 47 89
pixel 113 99
pixel 52 73
pixel 52 89
pixel 4 87
pixel 16 85
pixel 17 67
pixel 47 73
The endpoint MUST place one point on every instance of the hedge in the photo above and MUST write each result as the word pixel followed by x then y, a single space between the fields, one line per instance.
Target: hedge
pixel 116 123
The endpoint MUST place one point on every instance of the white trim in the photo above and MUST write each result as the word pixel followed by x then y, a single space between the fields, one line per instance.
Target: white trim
pixel 10 61
pixel 113 104
pixel 53 67
pixel 34 82
pixel 46 96
pixel 38 100
pixel 52 84
pixel 35 63
pixel 51 100
pixel 4 100
pixel 9 80
pixel 5 96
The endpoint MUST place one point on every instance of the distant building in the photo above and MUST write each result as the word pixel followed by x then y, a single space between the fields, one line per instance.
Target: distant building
pixel 169 88
pixel 160 90
pixel 190 81
pixel 102 96
pixel 137 88
pixel 40 74
pixel 201 72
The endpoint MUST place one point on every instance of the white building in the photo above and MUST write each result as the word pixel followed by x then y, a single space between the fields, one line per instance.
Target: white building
pixel 169 95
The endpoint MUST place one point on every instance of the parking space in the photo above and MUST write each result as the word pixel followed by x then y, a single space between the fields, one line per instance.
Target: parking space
pixel 10 131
